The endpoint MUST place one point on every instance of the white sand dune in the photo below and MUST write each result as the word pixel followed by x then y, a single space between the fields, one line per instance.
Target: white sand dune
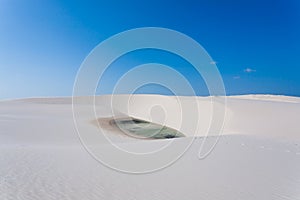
pixel 257 157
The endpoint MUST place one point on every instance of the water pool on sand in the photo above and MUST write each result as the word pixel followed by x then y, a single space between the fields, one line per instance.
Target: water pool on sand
pixel 145 130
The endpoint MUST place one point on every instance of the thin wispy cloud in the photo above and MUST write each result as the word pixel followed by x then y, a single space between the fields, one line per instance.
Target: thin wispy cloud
pixel 249 70
pixel 213 62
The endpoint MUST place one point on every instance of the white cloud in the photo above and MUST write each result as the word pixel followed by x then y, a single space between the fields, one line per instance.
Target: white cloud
pixel 249 70
pixel 213 62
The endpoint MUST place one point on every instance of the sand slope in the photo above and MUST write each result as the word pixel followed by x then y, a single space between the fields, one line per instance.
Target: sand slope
pixel 258 156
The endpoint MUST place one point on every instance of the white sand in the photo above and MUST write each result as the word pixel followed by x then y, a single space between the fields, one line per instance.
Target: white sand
pixel 258 156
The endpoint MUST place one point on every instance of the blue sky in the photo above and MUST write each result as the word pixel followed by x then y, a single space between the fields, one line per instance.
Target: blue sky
pixel 256 44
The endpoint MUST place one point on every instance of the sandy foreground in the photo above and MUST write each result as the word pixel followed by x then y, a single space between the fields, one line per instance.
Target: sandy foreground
pixel 256 157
